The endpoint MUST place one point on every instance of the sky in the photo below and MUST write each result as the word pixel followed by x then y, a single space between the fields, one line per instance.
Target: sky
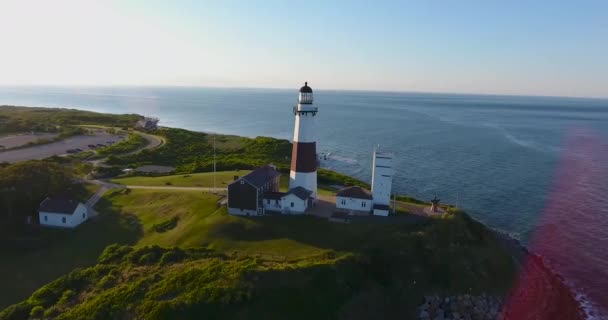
pixel 541 47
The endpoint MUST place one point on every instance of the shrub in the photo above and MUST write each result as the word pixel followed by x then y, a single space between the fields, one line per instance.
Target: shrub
pixel 113 253
pixel 166 225
pixel 175 255
pixel 37 312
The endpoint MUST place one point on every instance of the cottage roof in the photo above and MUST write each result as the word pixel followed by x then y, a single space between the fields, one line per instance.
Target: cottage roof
pixel 274 195
pixel 59 204
pixel 300 192
pixel 261 176
pixel 355 192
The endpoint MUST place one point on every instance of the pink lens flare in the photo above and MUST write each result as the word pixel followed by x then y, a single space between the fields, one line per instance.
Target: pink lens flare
pixel 571 238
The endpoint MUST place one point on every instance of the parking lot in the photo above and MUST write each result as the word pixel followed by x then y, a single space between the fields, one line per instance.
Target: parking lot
pixel 57 148
pixel 17 140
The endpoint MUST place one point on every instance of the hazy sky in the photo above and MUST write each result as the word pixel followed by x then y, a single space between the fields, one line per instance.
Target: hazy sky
pixel 545 47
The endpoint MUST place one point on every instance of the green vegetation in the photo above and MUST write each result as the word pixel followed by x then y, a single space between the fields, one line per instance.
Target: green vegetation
pixel 24 185
pixel 166 225
pixel 205 179
pixel 155 254
pixel 329 177
pixel 132 143
pixel 22 119
pixel 362 270
pixel 192 152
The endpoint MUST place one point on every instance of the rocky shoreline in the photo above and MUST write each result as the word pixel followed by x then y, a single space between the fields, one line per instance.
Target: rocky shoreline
pixel 538 293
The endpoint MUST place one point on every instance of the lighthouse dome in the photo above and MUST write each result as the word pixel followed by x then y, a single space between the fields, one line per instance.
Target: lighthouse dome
pixel 305 88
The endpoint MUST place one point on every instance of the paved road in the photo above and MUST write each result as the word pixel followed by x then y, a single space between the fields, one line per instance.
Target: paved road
pixel 94 199
pixel 18 140
pixel 56 148
pixel 153 142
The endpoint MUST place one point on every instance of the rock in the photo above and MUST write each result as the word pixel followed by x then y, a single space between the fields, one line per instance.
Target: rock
pixel 424 315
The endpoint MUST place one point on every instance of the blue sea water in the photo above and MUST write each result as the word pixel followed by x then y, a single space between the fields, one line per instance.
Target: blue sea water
pixel 497 157
pixel 492 155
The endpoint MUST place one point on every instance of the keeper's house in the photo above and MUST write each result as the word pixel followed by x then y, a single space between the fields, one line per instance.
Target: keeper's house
pixel 295 201
pixel 246 194
pixel 354 201
pixel 61 211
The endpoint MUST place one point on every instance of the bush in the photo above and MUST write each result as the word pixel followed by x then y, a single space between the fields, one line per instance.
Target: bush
pixel 166 225
pixel 37 312
pixel 175 255
pixel 113 254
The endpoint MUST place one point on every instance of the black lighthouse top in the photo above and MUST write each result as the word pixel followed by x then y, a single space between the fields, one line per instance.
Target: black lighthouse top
pixel 305 88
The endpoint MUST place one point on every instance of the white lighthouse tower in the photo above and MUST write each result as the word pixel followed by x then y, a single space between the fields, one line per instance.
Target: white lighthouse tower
pixel 382 180
pixel 304 154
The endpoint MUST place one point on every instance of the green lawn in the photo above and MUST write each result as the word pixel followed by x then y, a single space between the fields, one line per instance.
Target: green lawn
pixel 298 255
pixel 205 179
pixel 200 223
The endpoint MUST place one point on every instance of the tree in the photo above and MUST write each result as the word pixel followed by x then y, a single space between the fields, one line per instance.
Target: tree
pixel 24 185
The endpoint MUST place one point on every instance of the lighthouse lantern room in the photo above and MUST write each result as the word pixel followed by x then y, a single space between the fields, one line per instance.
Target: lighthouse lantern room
pixel 303 171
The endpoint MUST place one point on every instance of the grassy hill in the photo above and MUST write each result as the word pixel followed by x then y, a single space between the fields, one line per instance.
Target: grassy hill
pixel 22 119
pixel 204 179
pixel 243 268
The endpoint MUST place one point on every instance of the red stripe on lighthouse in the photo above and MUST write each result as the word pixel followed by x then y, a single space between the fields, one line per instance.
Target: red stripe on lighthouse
pixel 304 157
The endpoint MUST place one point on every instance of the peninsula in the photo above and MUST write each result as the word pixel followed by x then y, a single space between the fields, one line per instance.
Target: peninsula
pixel 161 245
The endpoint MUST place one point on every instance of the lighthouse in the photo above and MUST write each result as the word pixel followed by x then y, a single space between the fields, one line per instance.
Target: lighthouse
pixel 303 171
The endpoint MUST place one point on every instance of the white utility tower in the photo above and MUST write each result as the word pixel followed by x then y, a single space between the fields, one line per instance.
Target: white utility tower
pixel 382 180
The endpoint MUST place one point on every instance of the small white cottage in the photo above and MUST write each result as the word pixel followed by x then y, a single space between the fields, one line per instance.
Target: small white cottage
pixel 60 211
pixel 295 201
pixel 354 200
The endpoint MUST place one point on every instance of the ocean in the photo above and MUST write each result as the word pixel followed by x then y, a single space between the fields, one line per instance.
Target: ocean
pixel 534 167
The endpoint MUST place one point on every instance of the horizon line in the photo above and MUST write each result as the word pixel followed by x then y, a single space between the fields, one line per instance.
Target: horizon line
pixel 296 88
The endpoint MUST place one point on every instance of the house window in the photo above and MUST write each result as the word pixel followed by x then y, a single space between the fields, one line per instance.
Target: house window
pixel 292 204
pixel 343 202
pixel 276 202
pixel 363 204
pixel 268 201
pixel 63 219
pixel 46 218
pixel 83 215
pixel 242 181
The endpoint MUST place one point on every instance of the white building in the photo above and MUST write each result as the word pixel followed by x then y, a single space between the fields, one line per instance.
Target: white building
pixel 304 161
pixel 354 200
pixel 62 212
pixel 295 201
pixel 382 179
